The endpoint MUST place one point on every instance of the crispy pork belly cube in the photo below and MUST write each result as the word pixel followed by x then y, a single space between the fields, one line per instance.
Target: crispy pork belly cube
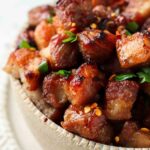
pixel 134 50
pixel 23 64
pixel 75 11
pixel 19 59
pixel 43 33
pixel 120 97
pixel 84 85
pixel 146 25
pixel 137 10
pixel 30 75
pixel 96 45
pixel 88 122
pixel 132 136
pixel 40 13
pixel 53 90
pixel 61 55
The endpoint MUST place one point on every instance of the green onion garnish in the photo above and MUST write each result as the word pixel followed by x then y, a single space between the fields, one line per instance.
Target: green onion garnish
pixel 71 37
pixel 64 73
pixel 25 44
pixel 50 20
pixel 132 27
pixel 43 67
pixel 125 76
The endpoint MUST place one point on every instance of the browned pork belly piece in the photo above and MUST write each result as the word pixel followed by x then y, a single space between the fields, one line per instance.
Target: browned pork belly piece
pixel 134 50
pixel 53 90
pixel 137 10
pixel 96 45
pixel 23 64
pixel 19 59
pixel 61 55
pixel 120 97
pixel 83 86
pixel 146 25
pixel 43 33
pixel 40 13
pixel 75 11
pixel 133 136
pixel 88 122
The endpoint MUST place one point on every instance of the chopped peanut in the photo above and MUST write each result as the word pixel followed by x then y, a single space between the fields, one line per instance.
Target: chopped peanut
pixel 98 112
pixel 145 129
pixel 93 26
pixel 117 139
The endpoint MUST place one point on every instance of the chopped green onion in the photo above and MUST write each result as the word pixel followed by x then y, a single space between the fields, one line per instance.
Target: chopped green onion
pixel 71 37
pixel 128 33
pixel 50 20
pixel 43 67
pixel 132 27
pixel 25 44
pixel 125 76
pixel 64 73
pixel 144 75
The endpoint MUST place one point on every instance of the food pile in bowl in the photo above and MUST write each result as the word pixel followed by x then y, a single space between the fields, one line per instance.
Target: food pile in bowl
pixel 85 64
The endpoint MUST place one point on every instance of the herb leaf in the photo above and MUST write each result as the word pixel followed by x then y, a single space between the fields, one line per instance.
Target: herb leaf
pixel 125 76
pixel 132 26
pixel 25 44
pixel 43 67
pixel 144 75
pixel 50 20
pixel 128 33
pixel 71 37
pixel 64 73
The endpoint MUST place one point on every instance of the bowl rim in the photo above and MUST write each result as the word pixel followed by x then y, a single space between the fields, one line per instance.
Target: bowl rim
pixel 76 138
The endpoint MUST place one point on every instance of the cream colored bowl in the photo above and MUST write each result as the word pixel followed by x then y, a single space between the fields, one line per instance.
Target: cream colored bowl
pixel 49 135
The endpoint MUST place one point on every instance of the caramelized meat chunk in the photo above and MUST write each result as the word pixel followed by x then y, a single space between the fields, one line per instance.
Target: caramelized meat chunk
pixel 76 11
pixel 23 64
pixel 61 55
pixel 53 90
pixel 134 50
pixel 132 136
pixel 19 59
pixel 84 85
pixel 96 45
pixel 40 13
pixel 137 10
pixel 120 97
pixel 43 33
pixel 88 122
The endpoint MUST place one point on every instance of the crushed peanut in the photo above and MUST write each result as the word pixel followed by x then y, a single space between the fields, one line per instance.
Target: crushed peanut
pixel 145 130
pixel 94 105
pixel 98 112
pixel 117 139
pixel 113 14
pixel 87 109
pixel 93 26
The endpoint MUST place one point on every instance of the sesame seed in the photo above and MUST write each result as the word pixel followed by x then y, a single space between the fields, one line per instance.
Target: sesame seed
pixel 98 112
pixel 117 139
pixel 93 26
pixel 145 130
pixel 87 109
